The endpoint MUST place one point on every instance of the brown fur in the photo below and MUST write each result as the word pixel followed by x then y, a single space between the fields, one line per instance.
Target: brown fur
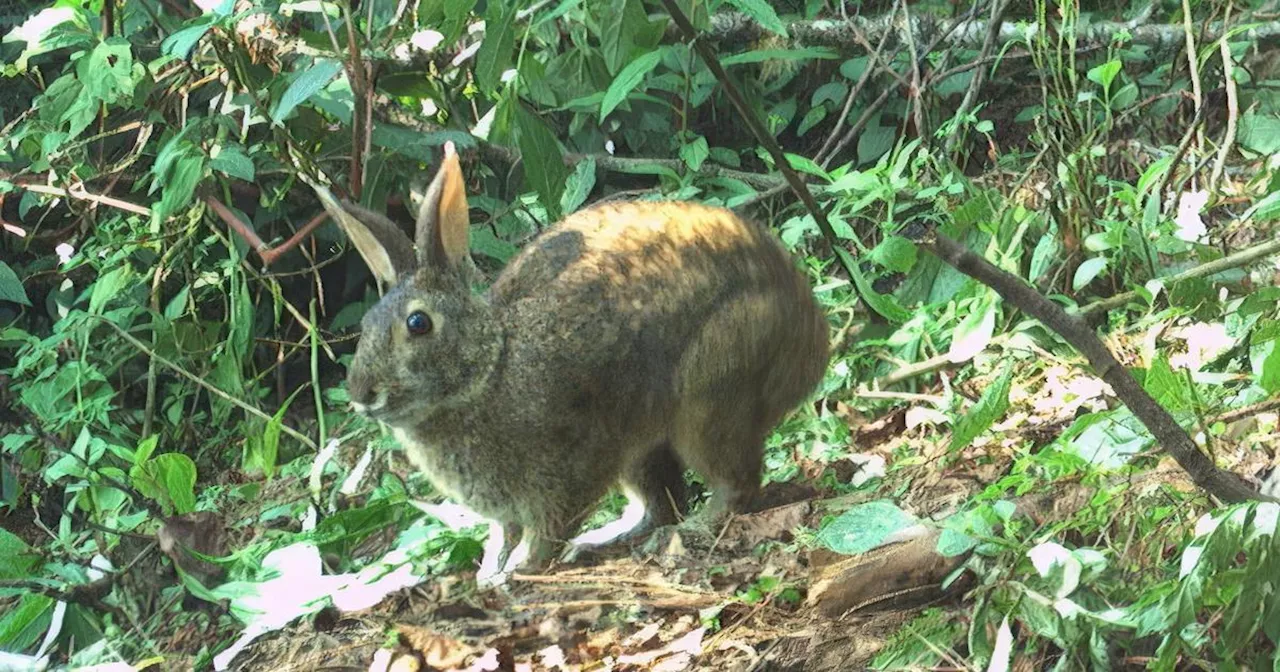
pixel 626 342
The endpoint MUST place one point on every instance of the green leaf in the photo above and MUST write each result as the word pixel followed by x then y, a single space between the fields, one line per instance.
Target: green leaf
pixel 108 286
pixel 16 557
pixel 494 57
pixel 806 165
pixel 619 21
pixel 305 85
pixel 895 253
pixel 181 185
pixel 483 241
pixel 831 92
pixel 881 303
pixel 146 448
pixel 180 44
pixel 875 141
pixel 763 13
pixel 232 161
pixel 812 118
pixel 107 72
pixel 456 15
pixel 169 479
pixel 11 288
pixel 992 405
pixel 1260 131
pixel 23 624
pixel 177 306
pixel 762 55
pixel 627 81
pixel 1043 257
pixel 1087 271
pixel 1166 386
pixel 578 186
pixel 695 153
pixel 864 527
pixel 271 437
pixel 543 163
pixel 1105 74
pixel 1264 361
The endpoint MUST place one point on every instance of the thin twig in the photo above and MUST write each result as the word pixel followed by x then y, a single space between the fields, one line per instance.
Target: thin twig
pixel 998 8
pixel 917 105
pixel 80 194
pixel 873 56
pixel 1193 68
pixel 1233 107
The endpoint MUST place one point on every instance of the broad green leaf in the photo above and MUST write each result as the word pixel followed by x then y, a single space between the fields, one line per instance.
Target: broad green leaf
pixel 864 527
pixel 181 185
pixel 1043 257
pixel 1125 96
pixel 11 288
pixel 853 68
pixel 695 153
pixel 483 241
pixel 305 85
pixel 875 141
pixel 578 186
pixel 763 13
pixel 177 306
pixel 146 448
pixel 544 167
pixel 1264 359
pixel 806 165
pixel 895 253
pixel 24 623
pixel 17 559
pixel 1104 74
pixel 169 479
pixel 58 27
pixel 619 22
pixel 232 161
pixel 884 304
pixel 992 405
pixel 812 118
pixel 831 92
pixel 180 44
pixel 494 57
pixel 109 286
pixel 1166 386
pixel 456 15
pixel 1260 131
pixel 107 72
pixel 1087 271
pixel 627 80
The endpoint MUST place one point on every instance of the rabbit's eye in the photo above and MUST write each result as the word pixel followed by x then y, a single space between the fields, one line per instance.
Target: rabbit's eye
pixel 418 323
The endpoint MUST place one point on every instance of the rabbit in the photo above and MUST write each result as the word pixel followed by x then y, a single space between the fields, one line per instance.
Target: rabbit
pixel 620 346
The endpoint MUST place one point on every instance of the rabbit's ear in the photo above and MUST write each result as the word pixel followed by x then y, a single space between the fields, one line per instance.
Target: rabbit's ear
pixel 443 221
pixel 386 249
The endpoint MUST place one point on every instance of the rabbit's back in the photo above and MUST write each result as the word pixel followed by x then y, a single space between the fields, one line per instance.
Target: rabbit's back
pixel 620 307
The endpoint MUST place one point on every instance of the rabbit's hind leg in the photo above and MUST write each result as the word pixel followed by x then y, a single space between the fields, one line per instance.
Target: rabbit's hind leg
pixel 726 448
pixel 657 496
